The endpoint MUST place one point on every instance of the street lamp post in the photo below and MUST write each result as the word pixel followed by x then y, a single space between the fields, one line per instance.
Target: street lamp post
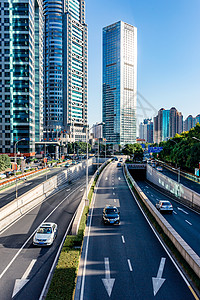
pixel 15 153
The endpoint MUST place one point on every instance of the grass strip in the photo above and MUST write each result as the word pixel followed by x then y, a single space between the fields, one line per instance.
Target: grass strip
pixel 63 283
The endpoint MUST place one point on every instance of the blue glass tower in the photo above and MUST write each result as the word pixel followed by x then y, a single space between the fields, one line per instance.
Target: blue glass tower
pixel 119 83
pixel 65 67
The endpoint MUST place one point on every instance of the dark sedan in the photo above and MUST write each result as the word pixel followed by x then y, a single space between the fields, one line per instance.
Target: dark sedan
pixel 111 215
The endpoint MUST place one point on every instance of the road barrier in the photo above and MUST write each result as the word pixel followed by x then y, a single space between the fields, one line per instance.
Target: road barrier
pixel 184 249
pixel 20 206
pixel 181 192
pixel 84 202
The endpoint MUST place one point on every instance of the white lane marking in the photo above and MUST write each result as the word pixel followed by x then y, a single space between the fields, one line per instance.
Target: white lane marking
pixel 151 195
pixel 175 212
pixel 147 187
pixel 113 184
pixel 22 247
pixel 113 188
pixel 158 281
pixel 129 264
pixel 68 190
pixel 20 283
pixel 113 193
pixel 107 281
pixel 188 222
pixel 106 178
pixel 81 190
pixel 185 212
pixel 115 200
pixel 119 178
pixel 123 240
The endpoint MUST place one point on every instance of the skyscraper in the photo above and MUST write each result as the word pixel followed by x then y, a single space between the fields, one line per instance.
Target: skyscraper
pixel 66 67
pixel 166 124
pixel 21 72
pixel 119 83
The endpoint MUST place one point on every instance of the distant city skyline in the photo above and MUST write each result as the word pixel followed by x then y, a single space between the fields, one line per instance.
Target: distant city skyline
pixel 168 52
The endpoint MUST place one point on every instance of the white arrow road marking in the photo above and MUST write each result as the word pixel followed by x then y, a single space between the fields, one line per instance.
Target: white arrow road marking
pixel 20 283
pixel 108 282
pixel 158 281
pixel 185 212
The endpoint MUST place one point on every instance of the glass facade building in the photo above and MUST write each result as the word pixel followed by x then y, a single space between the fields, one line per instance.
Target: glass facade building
pixel 53 62
pixel 119 83
pixel 65 67
pixel 165 125
pixel 21 72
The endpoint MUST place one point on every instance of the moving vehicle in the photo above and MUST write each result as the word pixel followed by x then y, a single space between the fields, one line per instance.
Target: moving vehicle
pixel 45 234
pixel 111 215
pixel 119 164
pixel 164 206
pixel 2 176
pixel 159 168
pixel 67 165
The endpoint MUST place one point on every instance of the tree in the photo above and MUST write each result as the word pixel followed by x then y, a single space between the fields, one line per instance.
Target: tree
pixel 4 162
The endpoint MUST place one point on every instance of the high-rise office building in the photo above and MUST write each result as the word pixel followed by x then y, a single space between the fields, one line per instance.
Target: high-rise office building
pixel 146 130
pixel 119 83
pixel 66 67
pixel 166 124
pixel 21 72
pixel 191 122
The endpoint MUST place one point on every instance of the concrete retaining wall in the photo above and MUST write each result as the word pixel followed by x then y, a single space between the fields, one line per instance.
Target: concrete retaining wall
pixel 15 209
pixel 184 194
pixel 185 250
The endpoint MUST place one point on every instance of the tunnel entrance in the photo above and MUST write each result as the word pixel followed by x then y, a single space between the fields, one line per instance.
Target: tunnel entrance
pixel 137 171
pixel 138 174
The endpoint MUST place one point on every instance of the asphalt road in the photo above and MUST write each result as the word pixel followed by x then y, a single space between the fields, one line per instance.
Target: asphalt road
pixel 184 220
pixel 125 261
pixel 173 174
pixel 9 194
pixel 20 259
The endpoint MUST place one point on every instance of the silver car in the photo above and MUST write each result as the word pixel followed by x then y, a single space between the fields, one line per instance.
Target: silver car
pixel 164 206
pixel 45 234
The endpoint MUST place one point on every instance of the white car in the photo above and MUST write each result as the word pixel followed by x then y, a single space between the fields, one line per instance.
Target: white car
pixel 45 234
pixel 159 168
pixel 2 176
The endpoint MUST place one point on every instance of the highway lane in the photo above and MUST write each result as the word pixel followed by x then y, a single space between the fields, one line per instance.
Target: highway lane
pixel 125 261
pixel 20 259
pixel 9 193
pixel 184 220
pixel 173 174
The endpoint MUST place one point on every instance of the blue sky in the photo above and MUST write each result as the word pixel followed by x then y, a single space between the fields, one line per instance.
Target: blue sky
pixel 168 52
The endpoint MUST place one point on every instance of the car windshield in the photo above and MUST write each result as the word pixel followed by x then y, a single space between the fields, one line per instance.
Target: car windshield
pixel 111 211
pixel 44 230
pixel 166 203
